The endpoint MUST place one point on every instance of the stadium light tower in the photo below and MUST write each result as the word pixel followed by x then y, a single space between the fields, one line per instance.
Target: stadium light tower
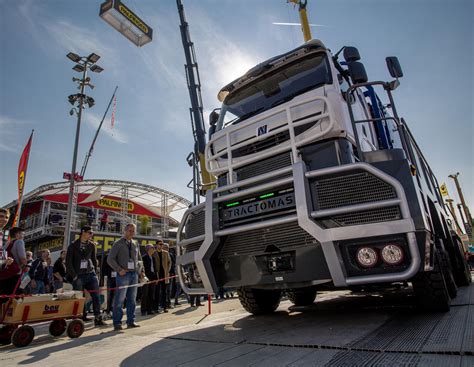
pixel 82 65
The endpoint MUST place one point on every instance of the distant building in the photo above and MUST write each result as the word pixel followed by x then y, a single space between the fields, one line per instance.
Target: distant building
pixel 43 213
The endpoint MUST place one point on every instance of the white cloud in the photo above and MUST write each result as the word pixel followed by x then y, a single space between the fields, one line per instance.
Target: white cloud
pixel 78 39
pixel 9 127
pixel 50 33
pixel 114 133
pixel 6 121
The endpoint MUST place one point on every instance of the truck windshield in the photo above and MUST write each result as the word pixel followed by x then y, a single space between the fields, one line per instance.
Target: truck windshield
pixel 275 88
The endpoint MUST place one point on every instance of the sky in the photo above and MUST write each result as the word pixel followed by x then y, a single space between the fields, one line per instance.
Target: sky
pixel 152 136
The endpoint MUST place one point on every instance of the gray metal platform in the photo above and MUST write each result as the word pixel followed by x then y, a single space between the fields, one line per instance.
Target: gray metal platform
pixel 340 329
pixel 349 330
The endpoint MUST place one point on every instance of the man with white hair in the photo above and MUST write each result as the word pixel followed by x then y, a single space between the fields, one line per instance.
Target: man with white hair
pixel 123 258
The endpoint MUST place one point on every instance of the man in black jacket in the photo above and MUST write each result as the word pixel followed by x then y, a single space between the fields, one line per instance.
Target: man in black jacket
pixel 39 273
pixel 148 290
pixel 81 264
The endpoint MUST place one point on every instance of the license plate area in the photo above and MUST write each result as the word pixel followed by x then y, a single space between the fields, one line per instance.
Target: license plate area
pixel 277 263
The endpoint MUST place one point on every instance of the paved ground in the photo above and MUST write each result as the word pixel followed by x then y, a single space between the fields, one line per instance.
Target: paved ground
pixel 340 329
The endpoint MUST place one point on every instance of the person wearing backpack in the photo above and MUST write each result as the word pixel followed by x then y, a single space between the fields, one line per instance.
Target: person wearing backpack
pixel 82 266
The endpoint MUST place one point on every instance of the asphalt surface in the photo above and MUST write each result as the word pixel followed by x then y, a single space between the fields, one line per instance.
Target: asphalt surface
pixel 339 329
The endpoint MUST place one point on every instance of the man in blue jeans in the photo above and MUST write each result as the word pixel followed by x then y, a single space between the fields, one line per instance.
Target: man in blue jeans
pixel 81 264
pixel 123 259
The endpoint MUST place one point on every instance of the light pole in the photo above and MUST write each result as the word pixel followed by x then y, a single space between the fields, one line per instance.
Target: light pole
pixel 82 65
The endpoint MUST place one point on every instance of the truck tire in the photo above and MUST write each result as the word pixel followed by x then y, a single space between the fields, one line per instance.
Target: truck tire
pixel 462 274
pixel 259 301
pixel 302 296
pixel 448 274
pixel 431 293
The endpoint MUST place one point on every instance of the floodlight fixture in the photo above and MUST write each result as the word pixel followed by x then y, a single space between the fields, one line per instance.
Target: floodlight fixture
pixel 78 68
pixel 90 102
pixel 74 57
pixel 96 69
pixel 93 58
pixel 72 99
pixel 126 22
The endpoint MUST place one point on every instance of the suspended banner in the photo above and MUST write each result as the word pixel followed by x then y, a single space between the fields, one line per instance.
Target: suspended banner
pixel 22 168
pixel 105 202
pixel 126 22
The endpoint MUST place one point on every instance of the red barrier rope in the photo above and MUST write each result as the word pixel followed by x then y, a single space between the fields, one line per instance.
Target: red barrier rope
pixel 91 291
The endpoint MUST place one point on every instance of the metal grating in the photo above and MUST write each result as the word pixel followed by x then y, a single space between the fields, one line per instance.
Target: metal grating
pixel 363 217
pixel 195 225
pixel 261 145
pixel 351 189
pixel 283 236
pixel 261 167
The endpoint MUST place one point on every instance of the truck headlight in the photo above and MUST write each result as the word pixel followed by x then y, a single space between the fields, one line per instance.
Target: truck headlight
pixel 367 257
pixel 392 254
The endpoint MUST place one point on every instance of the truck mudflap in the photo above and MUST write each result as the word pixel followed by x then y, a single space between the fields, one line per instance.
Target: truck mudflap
pixel 196 247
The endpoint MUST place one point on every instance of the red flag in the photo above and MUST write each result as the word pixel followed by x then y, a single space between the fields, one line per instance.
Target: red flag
pixel 112 119
pixel 22 167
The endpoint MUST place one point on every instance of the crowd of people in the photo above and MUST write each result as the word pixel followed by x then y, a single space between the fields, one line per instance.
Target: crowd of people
pixel 121 271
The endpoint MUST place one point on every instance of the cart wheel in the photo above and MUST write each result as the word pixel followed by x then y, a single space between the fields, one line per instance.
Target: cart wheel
pixel 6 334
pixel 75 328
pixel 23 336
pixel 57 327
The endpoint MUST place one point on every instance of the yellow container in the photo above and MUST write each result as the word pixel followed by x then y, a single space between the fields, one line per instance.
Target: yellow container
pixel 43 308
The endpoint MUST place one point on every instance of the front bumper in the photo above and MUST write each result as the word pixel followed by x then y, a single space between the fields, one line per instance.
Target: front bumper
pixel 317 261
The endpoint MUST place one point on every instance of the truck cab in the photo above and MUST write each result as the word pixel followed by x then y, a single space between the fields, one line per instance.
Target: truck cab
pixel 319 183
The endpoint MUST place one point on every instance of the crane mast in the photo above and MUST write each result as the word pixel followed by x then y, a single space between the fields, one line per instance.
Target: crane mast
pixel 203 183
pixel 303 18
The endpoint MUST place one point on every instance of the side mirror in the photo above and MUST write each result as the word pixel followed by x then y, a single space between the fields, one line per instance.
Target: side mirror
pixel 394 67
pixel 351 54
pixel 357 72
pixel 213 118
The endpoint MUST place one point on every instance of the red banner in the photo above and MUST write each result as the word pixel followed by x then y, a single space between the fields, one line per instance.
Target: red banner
pixel 22 167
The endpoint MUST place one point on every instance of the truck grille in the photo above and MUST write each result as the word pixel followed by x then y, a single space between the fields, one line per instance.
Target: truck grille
pixel 283 236
pixel 262 144
pixel 259 168
pixel 195 225
pixel 267 165
pixel 362 217
pixel 351 189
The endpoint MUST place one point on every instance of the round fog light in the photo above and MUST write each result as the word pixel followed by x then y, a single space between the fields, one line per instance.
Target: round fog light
pixel 366 257
pixel 392 254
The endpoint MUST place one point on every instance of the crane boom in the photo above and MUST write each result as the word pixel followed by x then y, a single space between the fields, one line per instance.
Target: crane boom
pixel 303 18
pixel 194 88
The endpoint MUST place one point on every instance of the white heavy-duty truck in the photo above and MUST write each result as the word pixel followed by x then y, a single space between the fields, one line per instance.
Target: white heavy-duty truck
pixel 320 185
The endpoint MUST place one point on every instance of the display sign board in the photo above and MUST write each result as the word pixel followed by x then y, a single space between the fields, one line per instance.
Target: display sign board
pixel 126 22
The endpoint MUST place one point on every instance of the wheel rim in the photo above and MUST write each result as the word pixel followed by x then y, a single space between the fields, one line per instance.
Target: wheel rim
pixel 24 336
